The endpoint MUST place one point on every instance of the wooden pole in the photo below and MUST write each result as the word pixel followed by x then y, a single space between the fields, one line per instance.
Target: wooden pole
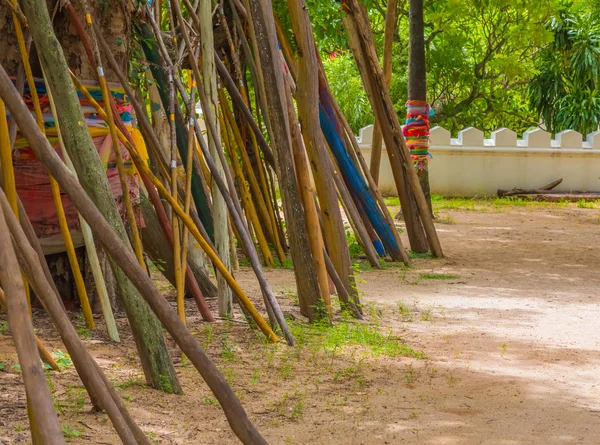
pixel 315 236
pixel 359 31
pixel 388 39
pixel 38 395
pixel 123 256
pixel 208 83
pixel 248 203
pixel 295 217
pixel 252 181
pixel 307 100
pixel 44 353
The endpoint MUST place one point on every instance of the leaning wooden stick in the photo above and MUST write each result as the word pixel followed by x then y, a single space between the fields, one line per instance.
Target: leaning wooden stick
pixel 102 394
pixel 44 353
pixel 237 417
pixel 38 395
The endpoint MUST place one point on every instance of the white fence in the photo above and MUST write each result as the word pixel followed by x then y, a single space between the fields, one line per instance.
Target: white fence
pixel 471 165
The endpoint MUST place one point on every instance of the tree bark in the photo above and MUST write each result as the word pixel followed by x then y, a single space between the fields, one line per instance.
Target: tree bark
pixel 156 363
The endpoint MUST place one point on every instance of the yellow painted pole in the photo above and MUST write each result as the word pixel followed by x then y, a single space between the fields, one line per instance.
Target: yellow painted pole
pixel 258 196
pixel 248 203
pixel 135 234
pixel 62 220
pixel 8 173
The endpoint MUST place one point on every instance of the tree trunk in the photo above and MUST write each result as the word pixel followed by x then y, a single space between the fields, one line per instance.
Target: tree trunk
pixel 417 77
pixel 147 331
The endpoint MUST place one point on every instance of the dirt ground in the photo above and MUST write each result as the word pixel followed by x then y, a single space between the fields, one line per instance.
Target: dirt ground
pixel 508 324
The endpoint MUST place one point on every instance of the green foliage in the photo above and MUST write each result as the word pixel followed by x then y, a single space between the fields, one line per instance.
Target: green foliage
pixel 566 90
pixel 347 88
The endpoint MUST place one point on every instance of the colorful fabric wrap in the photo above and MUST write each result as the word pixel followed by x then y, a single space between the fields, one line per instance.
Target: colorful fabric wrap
pixel 416 132
pixel 32 180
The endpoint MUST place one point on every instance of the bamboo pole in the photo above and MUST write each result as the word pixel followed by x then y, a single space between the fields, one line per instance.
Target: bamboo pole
pixel 44 353
pixel 174 220
pixel 187 200
pixel 8 173
pixel 210 111
pixel 235 413
pixel 388 39
pixel 90 246
pixel 307 100
pixel 43 417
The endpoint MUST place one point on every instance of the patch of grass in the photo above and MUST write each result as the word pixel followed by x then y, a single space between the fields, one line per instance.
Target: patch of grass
pixel 70 432
pixel 427 315
pixel 129 383
pixel 420 256
pixel 583 204
pixel 82 331
pixel 446 219
pixel 355 248
pixel 346 334
pixel 228 348
pixel 392 201
pixel 405 312
pixel 410 374
pixel 437 276
pixel 287 264
pixel 3 327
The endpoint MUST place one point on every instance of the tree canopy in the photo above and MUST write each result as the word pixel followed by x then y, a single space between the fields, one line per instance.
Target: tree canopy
pixel 490 63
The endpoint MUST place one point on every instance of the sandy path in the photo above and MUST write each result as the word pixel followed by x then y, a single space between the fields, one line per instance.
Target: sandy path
pixel 514 339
